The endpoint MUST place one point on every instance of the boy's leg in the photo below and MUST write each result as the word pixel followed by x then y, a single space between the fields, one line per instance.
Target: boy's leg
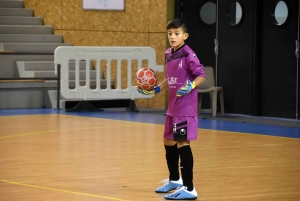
pixel 187 191
pixel 172 159
pixel 172 154
pixel 185 129
pixel 186 166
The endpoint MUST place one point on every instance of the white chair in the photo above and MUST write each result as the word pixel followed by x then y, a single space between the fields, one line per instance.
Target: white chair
pixel 209 87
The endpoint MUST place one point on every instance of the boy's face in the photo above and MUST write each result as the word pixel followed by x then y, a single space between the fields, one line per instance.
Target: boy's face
pixel 177 37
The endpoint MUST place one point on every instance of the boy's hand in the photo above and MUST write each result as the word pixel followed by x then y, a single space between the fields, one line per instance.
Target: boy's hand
pixel 186 89
pixel 155 90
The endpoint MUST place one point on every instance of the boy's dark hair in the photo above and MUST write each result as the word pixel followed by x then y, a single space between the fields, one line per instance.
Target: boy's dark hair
pixel 177 23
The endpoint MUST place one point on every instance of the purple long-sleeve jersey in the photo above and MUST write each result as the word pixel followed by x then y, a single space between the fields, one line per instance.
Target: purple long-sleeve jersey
pixel 182 65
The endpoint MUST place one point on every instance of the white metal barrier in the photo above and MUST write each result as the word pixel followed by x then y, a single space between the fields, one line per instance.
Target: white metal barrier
pixel 64 54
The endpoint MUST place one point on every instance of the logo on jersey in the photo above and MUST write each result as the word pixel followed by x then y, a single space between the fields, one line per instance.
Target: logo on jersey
pixel 180 64
pixel 172 80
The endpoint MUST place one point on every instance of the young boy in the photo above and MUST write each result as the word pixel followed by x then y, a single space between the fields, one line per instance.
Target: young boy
pixel 184 73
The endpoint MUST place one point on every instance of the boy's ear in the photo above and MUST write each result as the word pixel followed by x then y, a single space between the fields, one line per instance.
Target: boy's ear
pixel 185 36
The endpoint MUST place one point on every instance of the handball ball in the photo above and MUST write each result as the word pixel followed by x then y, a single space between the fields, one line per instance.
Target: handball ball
pixel 146 78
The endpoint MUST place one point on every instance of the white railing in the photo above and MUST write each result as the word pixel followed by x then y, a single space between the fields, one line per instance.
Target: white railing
pixel 63 55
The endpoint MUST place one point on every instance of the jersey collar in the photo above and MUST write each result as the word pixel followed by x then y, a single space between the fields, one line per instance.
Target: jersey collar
pixel 177 49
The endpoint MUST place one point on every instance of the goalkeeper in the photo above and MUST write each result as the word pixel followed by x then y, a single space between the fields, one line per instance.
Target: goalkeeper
pixel 184 73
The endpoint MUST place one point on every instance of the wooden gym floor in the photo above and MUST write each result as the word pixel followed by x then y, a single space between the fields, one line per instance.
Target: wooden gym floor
pixel 118 155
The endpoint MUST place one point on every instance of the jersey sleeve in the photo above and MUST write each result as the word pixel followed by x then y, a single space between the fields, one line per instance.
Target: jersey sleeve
pixel 196 68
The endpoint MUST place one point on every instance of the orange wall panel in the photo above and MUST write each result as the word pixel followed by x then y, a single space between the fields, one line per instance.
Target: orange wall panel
pixel 142 23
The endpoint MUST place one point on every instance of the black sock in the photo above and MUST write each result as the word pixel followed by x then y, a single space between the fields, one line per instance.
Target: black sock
pixel 186 165
pixel 172 157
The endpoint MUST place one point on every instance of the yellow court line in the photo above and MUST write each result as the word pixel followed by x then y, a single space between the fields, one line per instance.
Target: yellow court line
pixel 10 136
pixel 136 122
pixel 51 131
pixel 59 190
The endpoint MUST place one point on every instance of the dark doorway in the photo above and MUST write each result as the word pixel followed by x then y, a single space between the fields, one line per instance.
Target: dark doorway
pixel 278 63
pixel 235 59
pixel 257 64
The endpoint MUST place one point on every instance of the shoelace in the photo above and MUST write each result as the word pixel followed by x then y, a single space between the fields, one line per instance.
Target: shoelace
pixel 179 188
pixel 164 181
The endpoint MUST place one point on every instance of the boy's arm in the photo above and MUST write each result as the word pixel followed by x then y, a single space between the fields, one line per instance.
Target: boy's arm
pixel 198 81
pixel 156 89
pixel 163 84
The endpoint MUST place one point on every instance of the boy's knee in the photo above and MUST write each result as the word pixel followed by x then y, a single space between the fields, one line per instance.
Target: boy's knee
pixel 181 143
pixel 169 142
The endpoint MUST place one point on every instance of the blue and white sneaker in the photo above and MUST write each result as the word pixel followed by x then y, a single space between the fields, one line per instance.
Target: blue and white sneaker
pixel 169 185
pixel 181 193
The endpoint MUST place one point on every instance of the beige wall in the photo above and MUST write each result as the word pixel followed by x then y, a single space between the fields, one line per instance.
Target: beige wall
pixel 142 23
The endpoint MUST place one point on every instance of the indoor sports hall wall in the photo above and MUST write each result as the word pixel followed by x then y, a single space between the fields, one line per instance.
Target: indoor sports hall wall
pixel 142 23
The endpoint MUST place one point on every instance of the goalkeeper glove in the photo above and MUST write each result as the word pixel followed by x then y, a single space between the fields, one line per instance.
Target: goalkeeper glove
pixel 155 90
pixel 186 89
